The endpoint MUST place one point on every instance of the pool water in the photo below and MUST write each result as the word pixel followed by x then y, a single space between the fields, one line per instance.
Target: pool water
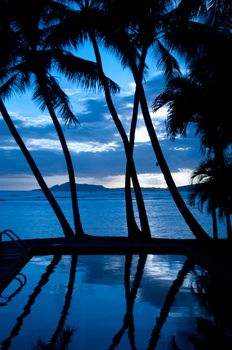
pixel 104 302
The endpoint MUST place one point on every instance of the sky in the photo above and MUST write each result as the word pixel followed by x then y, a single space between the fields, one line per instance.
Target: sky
pixel 95 145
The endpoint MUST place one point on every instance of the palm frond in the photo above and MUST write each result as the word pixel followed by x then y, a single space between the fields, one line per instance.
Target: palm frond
pixel 17 83
pixel 166 60
pixel 83 72
pixel 47 86
pixel 182 101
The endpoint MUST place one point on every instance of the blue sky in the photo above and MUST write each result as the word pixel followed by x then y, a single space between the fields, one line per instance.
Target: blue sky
pixel 95 145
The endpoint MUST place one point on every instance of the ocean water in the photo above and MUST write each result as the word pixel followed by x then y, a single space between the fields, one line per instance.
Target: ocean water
pixel 102 213
pixel 105 302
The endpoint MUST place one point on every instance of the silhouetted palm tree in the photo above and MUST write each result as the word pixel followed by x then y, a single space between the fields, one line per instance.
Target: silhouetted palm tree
pixel 9 54
pixel 143 29
pixel 88 21
pixel 213 188
pixel 201 97
pixel 204 192
pixel 33 65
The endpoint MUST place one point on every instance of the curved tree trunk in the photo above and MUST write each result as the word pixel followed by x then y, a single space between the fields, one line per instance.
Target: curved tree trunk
pixel 133 128
pixel 215 227
pixel 228 224
pixel 133 229
pixel 130 210
pixel 48 194
pixel 138 193
pixel 193 224
pixel 75 208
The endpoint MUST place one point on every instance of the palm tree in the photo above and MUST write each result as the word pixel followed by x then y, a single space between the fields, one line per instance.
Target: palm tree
pixel 130 168
pixel 213 188
pixel 201 97
pixel 190 103
pixel 35 60
pixel 205 191
pixel 34 63
pixel 87 21
pixel 9 43
pixel 144 34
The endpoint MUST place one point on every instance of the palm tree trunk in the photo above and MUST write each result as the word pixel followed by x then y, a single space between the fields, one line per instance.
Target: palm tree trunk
pixel 133 125
pixel 128 176
pixel 194 226
pixel 215 228
pixel 219 157
pixel 137 189
pixel 133 229
pixel 75 208
pixel 48 194
pixel 228 224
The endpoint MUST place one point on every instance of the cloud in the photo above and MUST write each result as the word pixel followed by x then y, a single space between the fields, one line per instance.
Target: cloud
pixel 72 91
pixel 141 135
pixel 160 115
pixel 54 145
pixel 181 178
pixel 22 182
pixel 75 147
pixel 129 90
pixel 40 121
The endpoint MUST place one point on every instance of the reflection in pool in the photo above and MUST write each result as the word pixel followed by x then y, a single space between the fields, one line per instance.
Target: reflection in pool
pixel 104 302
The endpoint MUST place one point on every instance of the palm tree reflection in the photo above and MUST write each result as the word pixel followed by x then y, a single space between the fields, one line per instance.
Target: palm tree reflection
pixel 130 293
pixel 63 340
pixel 31 300
pixel 177 283
pixel 62 335
pixel 68 298
pixel 215 331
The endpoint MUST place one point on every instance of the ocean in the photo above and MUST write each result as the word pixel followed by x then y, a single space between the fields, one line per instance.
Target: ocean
pixel 105 302
pixel 102 213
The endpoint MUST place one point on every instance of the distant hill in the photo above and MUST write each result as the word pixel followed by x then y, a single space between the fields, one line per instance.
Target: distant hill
pixel 81 187
pixel 86 187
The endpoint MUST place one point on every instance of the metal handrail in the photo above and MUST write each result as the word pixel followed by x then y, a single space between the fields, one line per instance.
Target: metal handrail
pixel 15 238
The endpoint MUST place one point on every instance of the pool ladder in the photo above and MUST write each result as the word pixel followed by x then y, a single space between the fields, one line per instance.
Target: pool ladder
pixel 15 238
